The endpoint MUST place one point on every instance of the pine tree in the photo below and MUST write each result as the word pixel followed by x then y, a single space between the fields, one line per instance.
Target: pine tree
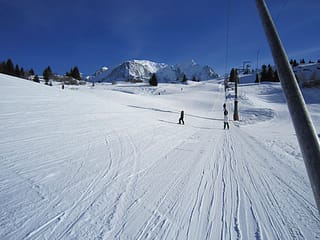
pixel 264 74
pixel 257 77
pixel 232 77
pixel 291 62
pixel 276 76
pixel 47 73
pixel 31 72
pixel 184 79
pixel 17 71
pixel 75 73
pixel 153 80
pixel 9 69
pixel 22 73
pixel 2 67
pixel 270 76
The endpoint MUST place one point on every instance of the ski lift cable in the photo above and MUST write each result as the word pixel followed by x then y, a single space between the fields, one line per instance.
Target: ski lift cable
pixel 227 48
pixel 227 38
pixel 281 10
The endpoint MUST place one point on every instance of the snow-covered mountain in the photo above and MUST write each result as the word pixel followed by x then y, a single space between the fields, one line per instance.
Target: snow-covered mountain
pixel 136 70
pixel 196 71
pixel 101 71
pixel 141 70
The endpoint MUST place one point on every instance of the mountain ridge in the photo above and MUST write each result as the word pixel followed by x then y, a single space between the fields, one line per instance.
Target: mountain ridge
pixel 141 71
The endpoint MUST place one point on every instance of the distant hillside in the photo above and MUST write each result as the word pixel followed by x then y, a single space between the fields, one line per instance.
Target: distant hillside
pixel 307 73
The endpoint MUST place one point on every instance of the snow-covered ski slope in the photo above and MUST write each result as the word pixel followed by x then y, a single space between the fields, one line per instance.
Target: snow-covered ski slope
pixel 111 162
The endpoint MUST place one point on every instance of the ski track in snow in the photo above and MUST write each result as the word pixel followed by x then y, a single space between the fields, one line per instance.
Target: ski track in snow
pixel 136 175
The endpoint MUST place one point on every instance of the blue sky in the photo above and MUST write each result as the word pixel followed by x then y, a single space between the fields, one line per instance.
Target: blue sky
pixel 95 33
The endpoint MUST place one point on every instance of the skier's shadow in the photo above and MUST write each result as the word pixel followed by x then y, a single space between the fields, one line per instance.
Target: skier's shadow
pixel 153 109
pixel 175 123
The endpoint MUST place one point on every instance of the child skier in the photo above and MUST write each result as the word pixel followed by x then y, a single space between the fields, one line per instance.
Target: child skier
pixel 225 120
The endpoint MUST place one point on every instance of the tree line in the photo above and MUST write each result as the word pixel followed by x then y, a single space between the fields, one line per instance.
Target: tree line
pixel 267 74
pixel 74 73
pixel 9 68
pixel 271 75
pixel 153 81
pixel 294 62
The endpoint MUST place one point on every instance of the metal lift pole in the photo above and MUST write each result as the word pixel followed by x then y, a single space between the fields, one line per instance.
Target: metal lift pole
pixel 236 112
pixel 305 131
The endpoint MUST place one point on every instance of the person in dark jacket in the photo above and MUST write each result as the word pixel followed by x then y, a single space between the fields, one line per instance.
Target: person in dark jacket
pixel 225 119
pixel 181 117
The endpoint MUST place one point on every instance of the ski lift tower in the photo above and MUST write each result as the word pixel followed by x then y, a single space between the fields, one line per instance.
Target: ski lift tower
pixel 246 65
pixel 226 80
pixel 302 122
pixel 236 113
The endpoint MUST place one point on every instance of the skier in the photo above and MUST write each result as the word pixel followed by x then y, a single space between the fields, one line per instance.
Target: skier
pixel 181 117
pixel 225 120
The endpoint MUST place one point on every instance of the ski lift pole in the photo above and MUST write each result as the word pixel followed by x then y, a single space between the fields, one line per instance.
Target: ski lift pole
pixel 304 128
pixel 235 112
pixel 226 78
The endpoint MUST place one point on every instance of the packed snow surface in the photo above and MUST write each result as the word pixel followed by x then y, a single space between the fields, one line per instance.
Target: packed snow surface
pixel 111 162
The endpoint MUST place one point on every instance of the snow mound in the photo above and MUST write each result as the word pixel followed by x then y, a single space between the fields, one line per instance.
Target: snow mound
pixel 255 115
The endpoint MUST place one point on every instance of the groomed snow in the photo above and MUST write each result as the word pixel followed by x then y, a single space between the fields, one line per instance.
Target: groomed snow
pixel 111 162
